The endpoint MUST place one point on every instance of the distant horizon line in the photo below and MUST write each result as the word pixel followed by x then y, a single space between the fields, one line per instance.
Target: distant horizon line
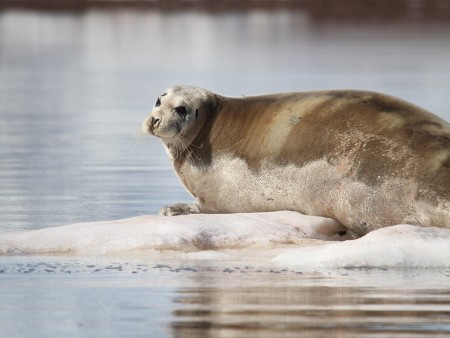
pixel 318 10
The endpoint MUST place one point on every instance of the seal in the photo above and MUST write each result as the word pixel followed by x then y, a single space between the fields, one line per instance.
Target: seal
pixel 365 159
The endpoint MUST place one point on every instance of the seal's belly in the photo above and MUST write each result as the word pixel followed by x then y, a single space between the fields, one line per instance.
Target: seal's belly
pixel 229 186
pixel 317 188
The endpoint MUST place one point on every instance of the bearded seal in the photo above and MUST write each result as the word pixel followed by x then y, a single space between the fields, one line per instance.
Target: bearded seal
pixel 365 159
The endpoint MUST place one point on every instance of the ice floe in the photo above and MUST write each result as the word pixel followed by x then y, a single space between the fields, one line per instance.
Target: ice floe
pixel 285 238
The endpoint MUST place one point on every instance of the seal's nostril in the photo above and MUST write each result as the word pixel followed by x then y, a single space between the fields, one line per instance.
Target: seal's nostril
pixel 154 122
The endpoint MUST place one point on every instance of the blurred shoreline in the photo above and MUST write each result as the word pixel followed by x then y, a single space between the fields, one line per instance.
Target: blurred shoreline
pixel 355 10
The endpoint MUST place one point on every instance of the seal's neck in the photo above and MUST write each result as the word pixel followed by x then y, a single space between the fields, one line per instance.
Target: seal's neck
pixel 198 147
pixel 226 130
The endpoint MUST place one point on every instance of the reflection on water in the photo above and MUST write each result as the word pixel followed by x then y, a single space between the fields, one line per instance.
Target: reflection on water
pixel 74 89
pixel 321 311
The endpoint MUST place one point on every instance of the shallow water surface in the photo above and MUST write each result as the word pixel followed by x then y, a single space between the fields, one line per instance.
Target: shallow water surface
pixel 74 89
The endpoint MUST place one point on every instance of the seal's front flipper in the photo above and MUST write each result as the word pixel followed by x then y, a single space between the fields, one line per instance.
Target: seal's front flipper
pixel 179 209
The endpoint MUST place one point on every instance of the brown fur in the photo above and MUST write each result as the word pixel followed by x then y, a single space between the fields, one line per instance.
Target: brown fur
pixel 347 122
pixel 366 137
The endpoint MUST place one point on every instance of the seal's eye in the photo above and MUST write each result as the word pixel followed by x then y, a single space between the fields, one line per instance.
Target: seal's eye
pixel 158 102
pixel 181 110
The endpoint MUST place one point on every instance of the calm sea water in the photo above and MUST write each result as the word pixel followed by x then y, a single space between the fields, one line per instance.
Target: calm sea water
pixel 74 89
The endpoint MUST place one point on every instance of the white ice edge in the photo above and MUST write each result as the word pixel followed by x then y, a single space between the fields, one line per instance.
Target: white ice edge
pixel 401 245
pixel 285 238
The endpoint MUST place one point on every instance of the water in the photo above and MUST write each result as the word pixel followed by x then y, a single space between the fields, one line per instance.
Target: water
pixel 123 298
pixel 74 89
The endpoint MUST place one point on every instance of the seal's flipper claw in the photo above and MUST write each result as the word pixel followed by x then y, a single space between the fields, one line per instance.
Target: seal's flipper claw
pixel 179 209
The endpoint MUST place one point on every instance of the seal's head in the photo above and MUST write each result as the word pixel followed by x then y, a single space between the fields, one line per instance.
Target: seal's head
pixel 179 115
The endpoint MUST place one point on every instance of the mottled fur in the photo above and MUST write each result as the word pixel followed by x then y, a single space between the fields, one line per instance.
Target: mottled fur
pixel 365 159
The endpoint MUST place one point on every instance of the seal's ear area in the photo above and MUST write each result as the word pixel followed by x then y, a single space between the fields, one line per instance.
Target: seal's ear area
pixel 196 113
pixel 181 110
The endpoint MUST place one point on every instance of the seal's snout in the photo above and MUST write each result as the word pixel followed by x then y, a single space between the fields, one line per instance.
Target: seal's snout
pixel 150 124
